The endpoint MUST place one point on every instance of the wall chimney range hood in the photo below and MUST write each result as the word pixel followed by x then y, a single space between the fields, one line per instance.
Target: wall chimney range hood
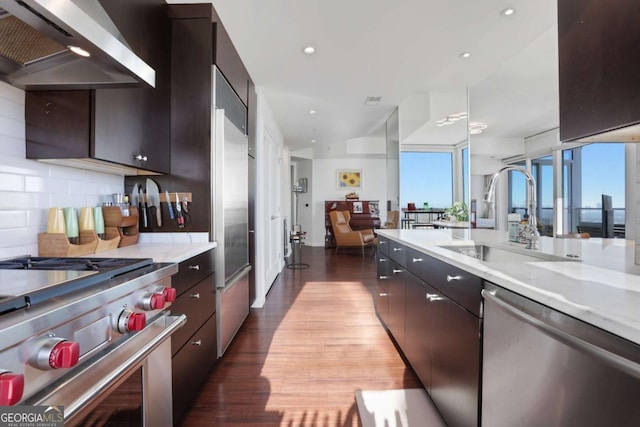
pixel 35 41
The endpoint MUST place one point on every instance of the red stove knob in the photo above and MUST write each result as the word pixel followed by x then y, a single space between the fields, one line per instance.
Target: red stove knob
pixel 152 301
pixel 11 388
pixel 64 355
pixel 170 294
pixel 130 321
pixel 55 353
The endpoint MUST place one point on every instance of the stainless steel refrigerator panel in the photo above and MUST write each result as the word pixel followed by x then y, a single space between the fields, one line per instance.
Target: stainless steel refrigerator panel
pixel 544 368
pixel 231 181
pixel 232 309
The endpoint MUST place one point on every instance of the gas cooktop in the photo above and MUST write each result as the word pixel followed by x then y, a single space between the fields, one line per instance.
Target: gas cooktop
pixel 26 281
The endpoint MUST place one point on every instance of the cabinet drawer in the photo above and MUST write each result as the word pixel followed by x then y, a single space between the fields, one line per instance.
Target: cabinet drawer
pixel 381 299
pixel 461 286
pixel 383 245
pixel 193 270
pixel 384 267
pixel 191 365
pixel 198 303
pixel 397 251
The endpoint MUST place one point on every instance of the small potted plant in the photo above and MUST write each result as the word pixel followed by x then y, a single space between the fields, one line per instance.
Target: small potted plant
pixel 458 212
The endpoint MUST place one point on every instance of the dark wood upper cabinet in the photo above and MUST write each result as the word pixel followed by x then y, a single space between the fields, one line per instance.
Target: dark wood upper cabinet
pixel 599 65
pixel 230 64
pixel 112 125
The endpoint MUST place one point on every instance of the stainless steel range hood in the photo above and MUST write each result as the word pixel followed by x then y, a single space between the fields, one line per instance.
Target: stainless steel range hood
pixel 35 36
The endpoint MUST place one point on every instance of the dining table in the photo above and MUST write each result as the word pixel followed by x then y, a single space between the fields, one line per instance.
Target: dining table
pixel 420 217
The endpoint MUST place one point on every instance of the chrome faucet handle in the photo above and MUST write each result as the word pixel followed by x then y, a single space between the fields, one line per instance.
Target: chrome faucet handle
pixel 532 236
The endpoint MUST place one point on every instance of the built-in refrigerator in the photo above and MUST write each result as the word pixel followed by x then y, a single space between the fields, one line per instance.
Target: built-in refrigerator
pixel 230 178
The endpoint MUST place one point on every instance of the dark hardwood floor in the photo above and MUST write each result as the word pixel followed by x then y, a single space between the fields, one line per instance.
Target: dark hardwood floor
pixel 299 360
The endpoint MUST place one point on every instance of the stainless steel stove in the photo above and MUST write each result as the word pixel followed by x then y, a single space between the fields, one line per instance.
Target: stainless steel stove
pixel 65 320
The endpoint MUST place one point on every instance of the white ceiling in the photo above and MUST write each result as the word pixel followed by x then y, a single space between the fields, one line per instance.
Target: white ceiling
pixel 394 49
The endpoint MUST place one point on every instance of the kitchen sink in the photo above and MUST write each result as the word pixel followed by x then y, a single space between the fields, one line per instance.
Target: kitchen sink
pixel 501 254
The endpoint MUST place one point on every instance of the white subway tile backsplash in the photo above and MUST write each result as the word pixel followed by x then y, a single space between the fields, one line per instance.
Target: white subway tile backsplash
pixel 10 146
pixel 11 182
pixel 12 127
pixel 11 93
pixel 12 109
pixel 14 219
pixel 9 237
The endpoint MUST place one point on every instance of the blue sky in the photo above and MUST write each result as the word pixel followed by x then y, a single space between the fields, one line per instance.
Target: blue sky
pixel 426 177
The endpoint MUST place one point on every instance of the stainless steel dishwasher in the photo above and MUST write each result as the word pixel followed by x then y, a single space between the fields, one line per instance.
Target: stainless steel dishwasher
pixel 544 368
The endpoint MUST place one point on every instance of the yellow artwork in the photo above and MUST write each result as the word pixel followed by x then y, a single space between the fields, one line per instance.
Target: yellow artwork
pixel 349 179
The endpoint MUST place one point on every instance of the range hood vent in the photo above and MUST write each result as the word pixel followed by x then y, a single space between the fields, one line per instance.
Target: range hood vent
pixel 35 36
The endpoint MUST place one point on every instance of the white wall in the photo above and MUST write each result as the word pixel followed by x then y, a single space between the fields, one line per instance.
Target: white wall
pixel 324 187
pixel 268 232
pixel 29 188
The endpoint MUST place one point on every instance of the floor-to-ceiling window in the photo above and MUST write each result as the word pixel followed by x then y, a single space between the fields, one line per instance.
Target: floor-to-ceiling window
pixel 595 170
pixel 589 172
pixel 426 177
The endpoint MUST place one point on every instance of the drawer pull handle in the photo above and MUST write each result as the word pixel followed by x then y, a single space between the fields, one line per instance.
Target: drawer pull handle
pixel 397 249
pixel 453 278
pixel 418 260
pixel 194 267
pixel 197 343
pixel 383 277
pixel 383 260
pixel 383 294
pixel 396 271
pixel 434 297
pixel 195 296
pixel 382 242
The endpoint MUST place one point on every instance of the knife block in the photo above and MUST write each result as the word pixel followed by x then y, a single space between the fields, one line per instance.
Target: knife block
pixel 117 225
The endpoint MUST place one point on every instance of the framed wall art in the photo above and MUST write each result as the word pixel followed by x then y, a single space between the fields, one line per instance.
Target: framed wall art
pixel 349 179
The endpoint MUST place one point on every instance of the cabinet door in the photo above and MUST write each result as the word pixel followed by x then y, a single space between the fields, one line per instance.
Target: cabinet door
pixel 118 126
pixel 58 124
pixel 419 327
pixel 599 64
pixel 397 302
pixel 191 365
pixel 455 364
pixel 381 295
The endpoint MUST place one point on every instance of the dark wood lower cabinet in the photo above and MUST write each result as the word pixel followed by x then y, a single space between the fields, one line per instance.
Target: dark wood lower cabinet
pixel 419 327
pixel 397 303
pixel 191 366
pixel 194 346
pixel 455 362
pixel 436 326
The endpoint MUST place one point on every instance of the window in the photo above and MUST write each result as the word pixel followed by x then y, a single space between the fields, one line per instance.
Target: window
pixel 426 177
pixel 594 170
pixel 588 172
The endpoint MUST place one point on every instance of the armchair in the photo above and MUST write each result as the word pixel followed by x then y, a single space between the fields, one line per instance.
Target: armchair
pixel 345 236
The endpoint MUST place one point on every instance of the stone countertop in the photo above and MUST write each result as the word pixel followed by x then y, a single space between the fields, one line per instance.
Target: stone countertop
pixel 163 247
pixel 602 288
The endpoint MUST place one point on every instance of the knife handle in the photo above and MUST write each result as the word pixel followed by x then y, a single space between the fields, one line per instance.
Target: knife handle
pixel 159 216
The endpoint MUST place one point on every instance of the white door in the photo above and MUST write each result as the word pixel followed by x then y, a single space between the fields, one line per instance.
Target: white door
pixel 273 245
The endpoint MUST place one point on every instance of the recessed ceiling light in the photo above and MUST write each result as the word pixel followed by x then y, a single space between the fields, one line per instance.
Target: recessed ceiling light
pixel 79 51
pixel 465 55
pixel 313 140
pixel 309 50
pixel 508 11
pixel 372 100
pixel 312 111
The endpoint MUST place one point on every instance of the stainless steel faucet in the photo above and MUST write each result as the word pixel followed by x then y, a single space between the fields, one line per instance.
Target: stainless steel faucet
pixel 531 233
